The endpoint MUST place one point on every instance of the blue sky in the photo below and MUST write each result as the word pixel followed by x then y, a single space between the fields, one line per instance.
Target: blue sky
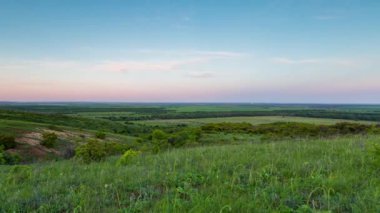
pixel 319 51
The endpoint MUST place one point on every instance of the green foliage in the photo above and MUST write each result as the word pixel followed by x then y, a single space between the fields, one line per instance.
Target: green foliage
pixel 314 175
pixel 7 158
pixel 375 152
pixel 8 142
pixel 49 139
pixel 127 157
pixel 281 130
pixel 113 148
pixel 100 135
pixel 19 174
pixel 55 128
pixel 2 156
pixel 91 151
pixel 162 140
pixel 159 140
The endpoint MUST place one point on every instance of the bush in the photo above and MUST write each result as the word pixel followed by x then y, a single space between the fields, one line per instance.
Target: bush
pixel 8 158
pixel 93 150
pixel 49 139
pixel 127 157
pixel 8 142
pixel 159 140
pixel 55 128
pixel 113 148
pixel 100 135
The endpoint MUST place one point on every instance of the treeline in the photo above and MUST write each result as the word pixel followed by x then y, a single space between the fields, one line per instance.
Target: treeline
pixel 72 109
pixel 63 120
pixel 364 116
pixel 281 130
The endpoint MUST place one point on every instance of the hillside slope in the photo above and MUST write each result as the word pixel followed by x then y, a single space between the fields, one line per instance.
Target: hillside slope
pixel 336 174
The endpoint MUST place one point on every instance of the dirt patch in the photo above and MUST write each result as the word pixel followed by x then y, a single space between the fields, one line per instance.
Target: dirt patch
pixel 32 138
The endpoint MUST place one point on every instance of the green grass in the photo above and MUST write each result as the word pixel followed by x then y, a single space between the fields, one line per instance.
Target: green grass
pixel 17 128
pixel 290 176
pixel 253 120
pixel 231 107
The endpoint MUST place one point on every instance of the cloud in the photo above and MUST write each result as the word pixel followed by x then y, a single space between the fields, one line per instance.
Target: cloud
pixel 292 61
pixel 138 66
pixel 143 65
pixel 321 61
pixel 194 53
pixel 200 74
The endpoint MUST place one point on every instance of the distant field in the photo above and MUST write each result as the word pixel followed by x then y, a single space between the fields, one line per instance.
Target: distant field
pixel 230 107
pixel 253 120
pixel 104 114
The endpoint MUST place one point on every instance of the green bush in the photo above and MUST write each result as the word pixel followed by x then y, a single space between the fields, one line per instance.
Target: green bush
pixel 159 140
pixel 127 157
pixel 113 148
pixel 49 139
pixel 8 142
pixel 8 158
pixel 55 128
pixel 100 135
pixel 93 150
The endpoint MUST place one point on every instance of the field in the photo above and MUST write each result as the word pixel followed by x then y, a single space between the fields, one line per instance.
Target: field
pixel 332 175
pixel 252 120
pixel 189 158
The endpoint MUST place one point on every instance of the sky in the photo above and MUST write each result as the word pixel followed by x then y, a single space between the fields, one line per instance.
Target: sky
pixel 256 51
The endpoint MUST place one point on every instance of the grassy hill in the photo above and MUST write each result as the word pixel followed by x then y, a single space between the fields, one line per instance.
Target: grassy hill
pixel 337 175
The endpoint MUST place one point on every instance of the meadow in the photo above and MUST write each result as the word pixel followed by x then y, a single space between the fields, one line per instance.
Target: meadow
pixel 82 157
pixel 336 175
pixel 252 120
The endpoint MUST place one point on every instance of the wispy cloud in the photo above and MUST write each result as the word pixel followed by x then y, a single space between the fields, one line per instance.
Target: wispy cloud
pixel 194 53
pixel 200 74
pixel 293 61
pixel 138 66
pixel 172 61
pixel 321 61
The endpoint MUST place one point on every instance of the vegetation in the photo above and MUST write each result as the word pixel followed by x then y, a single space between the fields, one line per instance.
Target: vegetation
pixel 7 158
pixel 127 157
pixel 100 135
pixel 282 130
pixel 93 150
pixel 49 139
pixel 304 176
pixel 105 161
pixel 7 142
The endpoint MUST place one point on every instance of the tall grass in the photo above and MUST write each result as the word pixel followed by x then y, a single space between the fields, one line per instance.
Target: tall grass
pixel 334 175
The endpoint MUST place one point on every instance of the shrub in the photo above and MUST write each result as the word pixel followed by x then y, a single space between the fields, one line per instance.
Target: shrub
pixel 113 148
pixel 100 135
pixel 159 140
pixel 2 156
pixel 127 157
pixel 49 139
pixel 93 150
pixel 8 158
pixel 8 142
pixel 55 128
